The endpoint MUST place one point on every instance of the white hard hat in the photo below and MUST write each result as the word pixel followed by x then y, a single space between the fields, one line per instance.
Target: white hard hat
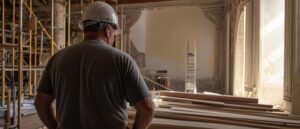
pixel 99 12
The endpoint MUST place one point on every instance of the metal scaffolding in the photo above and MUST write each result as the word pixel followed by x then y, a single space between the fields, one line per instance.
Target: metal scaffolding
pixel 24 49
pixel 21 50
pixel 3 54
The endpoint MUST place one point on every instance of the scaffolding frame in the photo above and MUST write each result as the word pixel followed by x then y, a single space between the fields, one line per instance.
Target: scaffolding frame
pixel 35 49
pixel 16 52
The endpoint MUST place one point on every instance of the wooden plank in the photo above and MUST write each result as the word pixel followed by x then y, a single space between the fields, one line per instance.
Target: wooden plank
pixel 251 107
pixel 176 99
pixel 225 109
pixel 219 98
pixel 253 104
pixel 184 124
pixel 214 103
pixel 236 116
pixel 174 116
pixel 192 114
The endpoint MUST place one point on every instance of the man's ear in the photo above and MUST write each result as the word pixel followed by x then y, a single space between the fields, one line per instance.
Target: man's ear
pixel 107 31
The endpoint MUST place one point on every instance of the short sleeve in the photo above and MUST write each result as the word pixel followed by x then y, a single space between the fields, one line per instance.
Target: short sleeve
pixel 45 84
pixel 134 84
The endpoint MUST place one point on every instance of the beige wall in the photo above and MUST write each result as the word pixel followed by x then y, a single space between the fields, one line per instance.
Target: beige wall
pixel 166 35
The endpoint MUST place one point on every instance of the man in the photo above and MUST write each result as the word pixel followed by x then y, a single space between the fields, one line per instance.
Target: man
pixel 92 81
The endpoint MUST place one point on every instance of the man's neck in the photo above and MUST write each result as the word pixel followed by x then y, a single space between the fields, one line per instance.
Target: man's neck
pixel 93 36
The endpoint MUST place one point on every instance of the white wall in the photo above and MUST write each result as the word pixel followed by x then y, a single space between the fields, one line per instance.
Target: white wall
pixel 167 33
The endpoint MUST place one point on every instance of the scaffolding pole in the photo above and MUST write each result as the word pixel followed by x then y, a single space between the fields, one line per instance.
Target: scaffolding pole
pixel 81 11
pixel 7 121
pixel 35 55
pixel 43 28
pixel 13 85
pixel 122 28
pixel 69 23
pixel 30 49
pixel 3 52
pixel 13 60
pixel 81 7
pixel 41 47
pixel 20 77
pixel 52 27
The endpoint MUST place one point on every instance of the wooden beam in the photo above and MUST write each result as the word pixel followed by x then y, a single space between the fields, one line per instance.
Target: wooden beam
pixel 219 98
pixel 170 114
pixel 216 103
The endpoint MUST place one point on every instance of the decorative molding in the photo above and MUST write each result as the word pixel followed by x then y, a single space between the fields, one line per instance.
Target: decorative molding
pixel 215 15
pixel 177 3
pixel 287 98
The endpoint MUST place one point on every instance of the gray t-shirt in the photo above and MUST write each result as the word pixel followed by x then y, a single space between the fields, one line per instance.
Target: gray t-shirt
pixel 91 83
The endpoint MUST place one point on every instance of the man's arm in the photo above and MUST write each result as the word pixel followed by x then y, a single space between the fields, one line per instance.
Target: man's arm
pixel 144 113
pixel 44 109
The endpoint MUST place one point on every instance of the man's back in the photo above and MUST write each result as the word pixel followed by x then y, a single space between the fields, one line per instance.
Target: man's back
pixel 90 82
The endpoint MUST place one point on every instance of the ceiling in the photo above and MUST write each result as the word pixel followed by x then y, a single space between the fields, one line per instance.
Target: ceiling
pixel 42 8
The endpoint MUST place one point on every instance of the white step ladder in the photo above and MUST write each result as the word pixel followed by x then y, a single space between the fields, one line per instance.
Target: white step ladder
pixel 191 67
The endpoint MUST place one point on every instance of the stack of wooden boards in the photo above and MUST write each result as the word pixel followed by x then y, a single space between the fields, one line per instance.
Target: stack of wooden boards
pixel 178 110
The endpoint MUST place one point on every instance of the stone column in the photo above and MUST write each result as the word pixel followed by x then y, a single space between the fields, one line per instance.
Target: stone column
pixel 59 23
pixel 252 46
pixel 234 9
pixel 292 57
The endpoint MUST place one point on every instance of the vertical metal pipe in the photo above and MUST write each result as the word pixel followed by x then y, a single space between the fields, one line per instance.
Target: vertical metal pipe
pixel 3 52
pixel 35 53
pixel 13 84
pixel 41 47
pixel 81 8
pixel 52 27
pixel 122 28
pixel 30 49
pixel 41 50
pixel 20 72
pixel 69 22
pixel 8 109
pixel 13 60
